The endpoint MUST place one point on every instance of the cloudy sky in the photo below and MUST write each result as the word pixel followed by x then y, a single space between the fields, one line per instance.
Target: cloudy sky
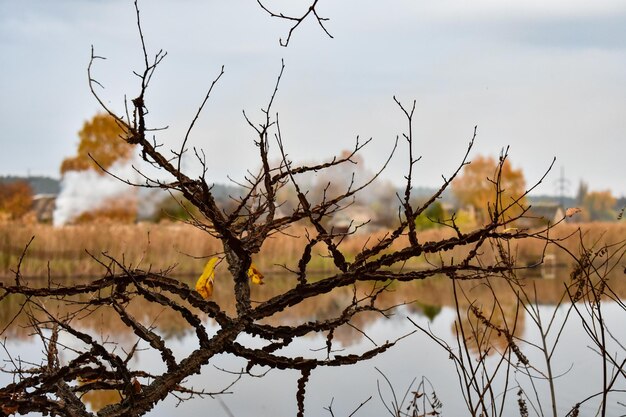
pixel 547 78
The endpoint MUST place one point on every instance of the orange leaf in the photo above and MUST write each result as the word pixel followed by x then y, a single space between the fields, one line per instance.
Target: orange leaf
pixel 571 211
pixel 9 409
pixel 136 386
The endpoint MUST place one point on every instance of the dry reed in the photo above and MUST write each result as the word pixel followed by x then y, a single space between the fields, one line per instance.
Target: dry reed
pixel 66 251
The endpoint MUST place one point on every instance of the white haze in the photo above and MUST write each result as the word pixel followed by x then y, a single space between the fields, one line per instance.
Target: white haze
pixel 83 191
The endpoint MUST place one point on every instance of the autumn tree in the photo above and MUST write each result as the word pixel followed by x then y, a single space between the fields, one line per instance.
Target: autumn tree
pixel 600 205
pixel 16 199
pixel 100 146
pixel 484 179
pixel 120 209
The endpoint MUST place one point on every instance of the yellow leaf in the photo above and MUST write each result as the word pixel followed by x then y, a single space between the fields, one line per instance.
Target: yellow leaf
pixel 255 275
pixel 204 285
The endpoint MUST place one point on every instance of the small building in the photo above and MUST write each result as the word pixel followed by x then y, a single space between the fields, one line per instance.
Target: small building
pixel 43 206
pixel 542 214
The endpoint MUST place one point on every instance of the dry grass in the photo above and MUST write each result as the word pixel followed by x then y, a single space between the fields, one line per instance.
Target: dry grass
pixel 65 251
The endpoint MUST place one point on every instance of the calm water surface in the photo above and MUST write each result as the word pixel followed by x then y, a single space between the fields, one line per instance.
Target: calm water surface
pixel 578 366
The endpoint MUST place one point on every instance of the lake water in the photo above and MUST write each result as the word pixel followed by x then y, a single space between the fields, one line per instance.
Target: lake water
pixel 431 306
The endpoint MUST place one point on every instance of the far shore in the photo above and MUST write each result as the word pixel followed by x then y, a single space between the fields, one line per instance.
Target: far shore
pixel 182 250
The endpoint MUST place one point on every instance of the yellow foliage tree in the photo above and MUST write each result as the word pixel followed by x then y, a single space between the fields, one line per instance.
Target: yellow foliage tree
pixel 16 199
pixel 122 209
pixel 599 205
pixel 476 186
pixel 100 140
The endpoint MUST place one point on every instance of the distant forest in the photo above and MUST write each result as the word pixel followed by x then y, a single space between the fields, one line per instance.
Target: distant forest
pixel 40 185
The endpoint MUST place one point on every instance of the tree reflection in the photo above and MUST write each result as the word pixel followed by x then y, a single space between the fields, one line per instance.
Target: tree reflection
pixel 98 399
pixel 425 298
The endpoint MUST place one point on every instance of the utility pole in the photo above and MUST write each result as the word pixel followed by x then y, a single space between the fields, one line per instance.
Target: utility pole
pixel 562 185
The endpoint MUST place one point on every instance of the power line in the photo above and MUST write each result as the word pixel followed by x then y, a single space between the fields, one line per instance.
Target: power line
pixel 562 185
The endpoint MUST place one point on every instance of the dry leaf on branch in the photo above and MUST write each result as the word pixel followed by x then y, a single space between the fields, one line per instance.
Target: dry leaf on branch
pixel 571 211
pixel 204 285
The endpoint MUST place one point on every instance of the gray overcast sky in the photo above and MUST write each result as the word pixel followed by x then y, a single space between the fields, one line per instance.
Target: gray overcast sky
pixel 547 78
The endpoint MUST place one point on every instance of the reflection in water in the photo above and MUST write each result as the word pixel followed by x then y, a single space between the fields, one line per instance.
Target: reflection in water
pixel 98 399
pixel 431 299
pixel 422 297
pixel 430 311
